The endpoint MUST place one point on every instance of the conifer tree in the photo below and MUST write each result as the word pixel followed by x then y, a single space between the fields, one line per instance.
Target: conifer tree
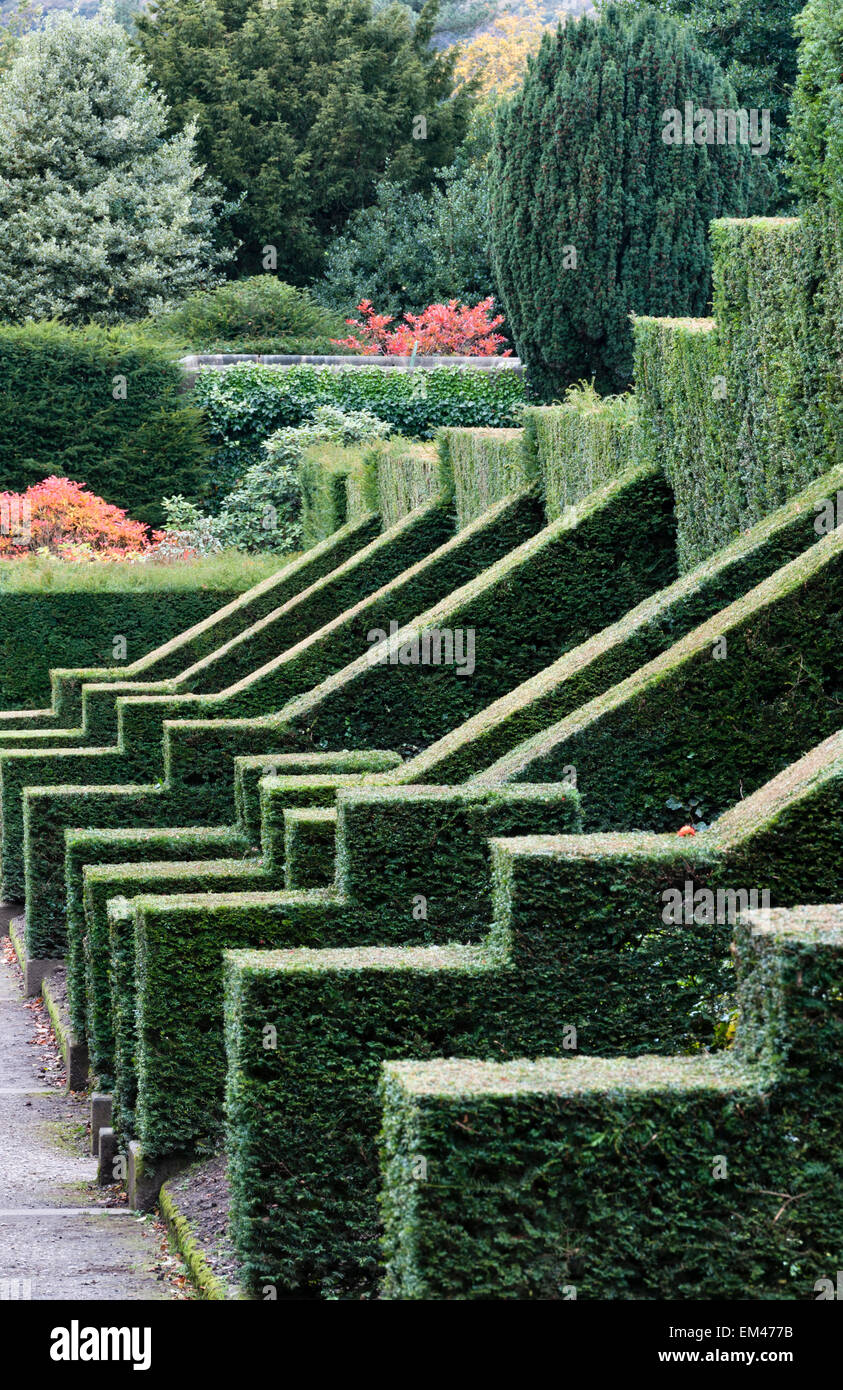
pixel 602 192
pixel 102 214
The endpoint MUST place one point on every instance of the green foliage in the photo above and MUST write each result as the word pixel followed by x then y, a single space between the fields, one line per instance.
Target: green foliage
pixel 259 309
pixel 757 47
pixel 44 624
pixel 63 411
pixel 262 513
pixel 591 115
pixel 714 717
pixel 244 404
pixel 580 445
pixel 540 1175
pixel 817 121
pixel 744 412
pixel 300 106
pixel 407 474
pixel 588 671
pixel 103 215
pixel 409 250
pixel 482 467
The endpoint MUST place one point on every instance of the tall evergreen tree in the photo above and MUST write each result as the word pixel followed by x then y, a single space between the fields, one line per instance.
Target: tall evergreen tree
pixel 301 104
pixel 756 42
pixel 101 211
pixel 599 205
pixel 817 134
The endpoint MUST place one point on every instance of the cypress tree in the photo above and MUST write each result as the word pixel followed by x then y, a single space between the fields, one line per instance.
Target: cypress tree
pixel 596 211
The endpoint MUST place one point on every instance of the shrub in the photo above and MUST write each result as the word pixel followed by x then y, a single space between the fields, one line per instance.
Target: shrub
pixel 102 406
pixel 450 328
pixel 62 518
pixel 103 216
pixel 259 308
pixel 593 213
pixel 263 511
pixel 246 403
pixel 409 249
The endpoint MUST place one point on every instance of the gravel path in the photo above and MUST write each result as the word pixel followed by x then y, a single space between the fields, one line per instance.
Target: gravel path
pixel 60 1235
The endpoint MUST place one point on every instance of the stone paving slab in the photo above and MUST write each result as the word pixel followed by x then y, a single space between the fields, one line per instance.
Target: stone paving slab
pixel 58 1239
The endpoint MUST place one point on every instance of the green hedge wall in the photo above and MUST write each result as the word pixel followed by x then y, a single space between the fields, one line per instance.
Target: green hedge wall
pixel 498 1184
pixel 744 411
pixel 625 981
pixel 580 445
pixel 407 474
pixel 617 651
pixel 712 718
pixel 192 644
pixel 311 635
pixel 782 351
pixel 688 428
pixel 338 484
pixel 195 756
pixel 483 466
pixel 542 598
pixel 180 945
pixel 58 414
pixel 39 631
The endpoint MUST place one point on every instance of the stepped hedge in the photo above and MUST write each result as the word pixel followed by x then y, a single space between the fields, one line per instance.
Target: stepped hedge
pixel 498 1184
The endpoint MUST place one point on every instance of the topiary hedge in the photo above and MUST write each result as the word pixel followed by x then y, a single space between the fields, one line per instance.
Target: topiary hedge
pixel 613 654
pixel 104 407
pixel 482 466
pixel 707 722
pixel 744 411
pixel 580 445
pixel 498 1183
pixel 579 959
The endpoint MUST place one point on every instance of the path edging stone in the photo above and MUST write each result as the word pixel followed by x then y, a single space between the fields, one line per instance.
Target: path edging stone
pixel 74 1052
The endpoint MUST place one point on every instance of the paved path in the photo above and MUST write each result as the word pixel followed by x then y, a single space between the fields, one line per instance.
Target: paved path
pixel 58 1239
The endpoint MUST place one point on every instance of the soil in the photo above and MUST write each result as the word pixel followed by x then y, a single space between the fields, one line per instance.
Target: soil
pixel 202 1194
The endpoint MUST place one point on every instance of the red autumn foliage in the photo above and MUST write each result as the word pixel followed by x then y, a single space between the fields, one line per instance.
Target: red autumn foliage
pixel 62 518
pixel 451 329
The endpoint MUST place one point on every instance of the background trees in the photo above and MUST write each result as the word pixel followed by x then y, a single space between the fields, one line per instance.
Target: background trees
pixel 300 105
pixel 103 214
pixel 593 215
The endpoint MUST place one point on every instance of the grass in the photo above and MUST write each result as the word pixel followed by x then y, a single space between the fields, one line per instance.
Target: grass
pixel 230 570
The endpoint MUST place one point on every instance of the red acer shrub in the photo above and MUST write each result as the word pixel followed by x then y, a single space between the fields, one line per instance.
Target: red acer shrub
pixel 63 518
pixel 451 329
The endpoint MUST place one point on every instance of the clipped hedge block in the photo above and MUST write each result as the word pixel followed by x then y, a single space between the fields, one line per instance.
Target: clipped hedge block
pixel 407 475
pixel 580 445
pixel 180 941
pixel 581 957
pixel 727 707
pixel 722 1180
pixel 613 654
pixel 484 466
pixel 688 427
